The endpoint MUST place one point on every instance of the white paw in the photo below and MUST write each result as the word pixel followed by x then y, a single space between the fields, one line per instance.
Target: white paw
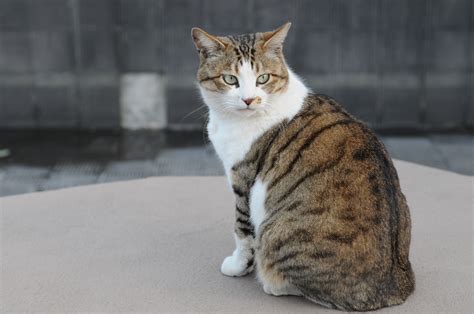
pixel 234 266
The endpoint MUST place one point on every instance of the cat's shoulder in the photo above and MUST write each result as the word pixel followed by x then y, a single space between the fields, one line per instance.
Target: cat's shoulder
pixel 330 113
pixel 321 103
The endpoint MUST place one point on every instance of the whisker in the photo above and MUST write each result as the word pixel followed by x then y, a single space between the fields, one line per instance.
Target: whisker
pixel 194 111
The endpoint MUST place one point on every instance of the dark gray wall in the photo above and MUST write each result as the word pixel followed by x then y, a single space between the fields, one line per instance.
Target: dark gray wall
pixel 399 64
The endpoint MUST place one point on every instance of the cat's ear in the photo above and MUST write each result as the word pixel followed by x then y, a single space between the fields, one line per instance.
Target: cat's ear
pixel 205 41
pixel 274 39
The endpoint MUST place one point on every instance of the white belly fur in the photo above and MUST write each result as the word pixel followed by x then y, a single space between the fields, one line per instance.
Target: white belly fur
pixel 258 194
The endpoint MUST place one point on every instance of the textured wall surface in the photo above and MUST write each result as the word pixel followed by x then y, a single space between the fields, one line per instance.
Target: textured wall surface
pixel 399 64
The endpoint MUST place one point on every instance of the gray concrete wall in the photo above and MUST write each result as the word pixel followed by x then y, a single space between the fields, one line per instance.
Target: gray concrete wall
pixel 397 64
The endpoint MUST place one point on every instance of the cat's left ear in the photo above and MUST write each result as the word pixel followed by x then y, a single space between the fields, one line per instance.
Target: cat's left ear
pixel 274 39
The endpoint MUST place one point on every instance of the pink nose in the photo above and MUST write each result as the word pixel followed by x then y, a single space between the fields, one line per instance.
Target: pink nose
pixel 248 101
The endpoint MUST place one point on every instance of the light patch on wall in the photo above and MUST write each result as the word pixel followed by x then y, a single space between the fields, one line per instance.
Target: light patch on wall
pixel 142 101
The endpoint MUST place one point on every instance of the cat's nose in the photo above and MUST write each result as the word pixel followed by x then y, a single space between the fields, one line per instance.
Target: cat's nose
pixel 248 101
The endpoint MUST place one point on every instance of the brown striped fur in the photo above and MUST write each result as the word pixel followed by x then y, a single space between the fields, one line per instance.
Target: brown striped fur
pixel 337 225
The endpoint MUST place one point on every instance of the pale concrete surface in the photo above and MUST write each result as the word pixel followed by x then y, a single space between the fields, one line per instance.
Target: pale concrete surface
pixel 156 245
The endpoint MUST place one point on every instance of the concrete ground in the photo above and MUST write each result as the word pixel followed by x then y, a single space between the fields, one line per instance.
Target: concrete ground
pixel 35 161
pixel 140 246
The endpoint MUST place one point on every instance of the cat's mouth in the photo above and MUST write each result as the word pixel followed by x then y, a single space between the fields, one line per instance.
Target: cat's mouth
pixel 247 111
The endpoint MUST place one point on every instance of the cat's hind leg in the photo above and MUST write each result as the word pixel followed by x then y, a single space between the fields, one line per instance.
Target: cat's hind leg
pixel 286 289
pixel 274 282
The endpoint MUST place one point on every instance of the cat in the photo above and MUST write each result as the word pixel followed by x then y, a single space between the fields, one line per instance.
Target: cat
pixel 318 208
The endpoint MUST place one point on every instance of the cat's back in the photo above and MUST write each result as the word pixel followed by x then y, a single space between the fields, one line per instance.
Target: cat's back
pixel 322 137
pixel 337 222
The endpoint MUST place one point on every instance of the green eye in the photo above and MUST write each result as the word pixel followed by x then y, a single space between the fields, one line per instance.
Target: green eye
pixel 230 79
pixel 262 79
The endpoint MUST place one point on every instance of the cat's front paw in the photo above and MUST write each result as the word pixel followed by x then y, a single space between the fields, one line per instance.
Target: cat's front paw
pixel 235 266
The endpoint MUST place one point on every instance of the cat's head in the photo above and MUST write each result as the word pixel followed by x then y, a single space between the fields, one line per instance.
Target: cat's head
pixel 239 75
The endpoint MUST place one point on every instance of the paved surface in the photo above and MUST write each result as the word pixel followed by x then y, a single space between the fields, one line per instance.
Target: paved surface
pixel 140 246
pixel 53 160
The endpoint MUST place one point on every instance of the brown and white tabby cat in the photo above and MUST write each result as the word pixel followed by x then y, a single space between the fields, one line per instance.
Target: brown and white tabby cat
pixel 319 211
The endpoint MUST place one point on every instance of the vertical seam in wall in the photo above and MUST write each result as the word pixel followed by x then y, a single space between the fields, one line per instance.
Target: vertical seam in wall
pixel 470 82
pixel 118 30
pixel 116 55
pixel 205 9
pixel 159 39
pixel 250 15
pixel 116 40
pixel 117 33
pixel 160 46
pixel 163 51
pixel 425 39
pixel 379 86
pixel 32 72
pixel 77 48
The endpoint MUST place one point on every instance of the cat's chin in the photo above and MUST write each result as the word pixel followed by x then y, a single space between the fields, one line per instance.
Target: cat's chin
pixel 245 112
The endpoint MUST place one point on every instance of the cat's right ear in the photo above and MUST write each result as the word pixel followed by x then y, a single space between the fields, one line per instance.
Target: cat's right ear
pixel 205 41
pixel 274 40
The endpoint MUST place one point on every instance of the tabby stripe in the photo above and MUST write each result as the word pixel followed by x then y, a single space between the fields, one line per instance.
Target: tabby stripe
pixel 279 76
pixel 388 180
pixel 347 216
pixel 323 273
pixel 243 221
pixel 293 206
pixel 283 207
pixel 394 212
pixel 322 254
pixel 209 78
pixel 279 88
pixel 291 268
pixel 341 238
pixel 307 143
pixel 361 154
pixel 245 162
pixel 238 191
pixel 267 223
pixel 310 140
pixel 264 154
pixel 247 231
pixel 292 138
pixel 299 236
pixel 283 259
pixel 232 39
pixel 240 211
pixel 312 211
pixel 250 263
pixel 316 170
pixel 255 157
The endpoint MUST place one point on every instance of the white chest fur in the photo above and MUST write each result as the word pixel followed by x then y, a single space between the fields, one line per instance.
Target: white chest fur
pixel 232 140
pixel 232 136
pixel 258 194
